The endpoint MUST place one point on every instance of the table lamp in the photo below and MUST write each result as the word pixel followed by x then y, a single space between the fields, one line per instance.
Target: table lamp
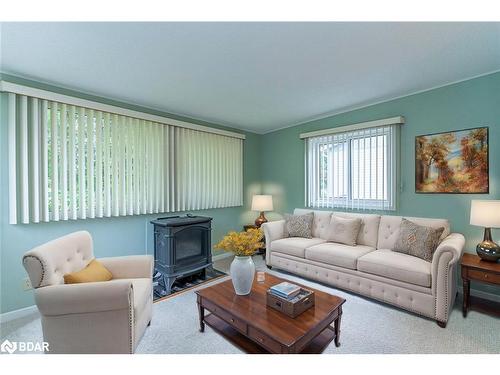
pixel 486 213
pixel 262 203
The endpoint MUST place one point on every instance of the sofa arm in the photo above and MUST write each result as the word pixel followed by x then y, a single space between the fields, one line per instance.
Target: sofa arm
pixel 444 273
pixel 84 298
pixel 129 267
pixel 274 230
pixel 450 250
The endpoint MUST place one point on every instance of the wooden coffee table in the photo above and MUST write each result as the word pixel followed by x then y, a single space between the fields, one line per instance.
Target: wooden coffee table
pixel 248 323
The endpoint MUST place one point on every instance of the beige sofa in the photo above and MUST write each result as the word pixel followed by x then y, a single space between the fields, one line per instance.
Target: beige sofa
pixel 371 268
pixel 99 317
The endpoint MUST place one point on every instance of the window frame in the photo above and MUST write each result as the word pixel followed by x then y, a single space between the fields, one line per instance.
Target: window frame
pixel 391 165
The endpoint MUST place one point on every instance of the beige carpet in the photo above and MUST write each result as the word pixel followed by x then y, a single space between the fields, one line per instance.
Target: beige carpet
pixel 367 327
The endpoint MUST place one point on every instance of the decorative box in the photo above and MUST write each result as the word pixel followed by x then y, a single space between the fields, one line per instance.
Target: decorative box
pixel 293 307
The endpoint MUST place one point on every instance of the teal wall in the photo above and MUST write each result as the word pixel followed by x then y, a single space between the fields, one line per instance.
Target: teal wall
pixel 112 236
pixel 463 105
pixel 274 164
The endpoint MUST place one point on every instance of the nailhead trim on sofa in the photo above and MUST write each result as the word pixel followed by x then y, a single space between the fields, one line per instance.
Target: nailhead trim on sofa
pixel 446 312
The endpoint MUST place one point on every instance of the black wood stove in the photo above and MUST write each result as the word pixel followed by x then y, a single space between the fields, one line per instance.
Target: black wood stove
pixel 182 247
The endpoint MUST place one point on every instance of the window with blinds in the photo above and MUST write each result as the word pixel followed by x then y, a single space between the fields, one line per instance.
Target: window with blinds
pixel 354 169
pixel 71 162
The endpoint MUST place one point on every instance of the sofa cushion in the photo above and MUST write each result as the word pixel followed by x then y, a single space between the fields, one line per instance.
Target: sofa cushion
pixel 299 225
pixel 397 266
pixel 337 254
pixel 294 245
pixel 368 232
pixel 389 229
pixel 320 222
pixel 417 240
pixel 343 230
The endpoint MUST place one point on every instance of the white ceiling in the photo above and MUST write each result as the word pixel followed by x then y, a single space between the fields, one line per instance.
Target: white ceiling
pixel 254 76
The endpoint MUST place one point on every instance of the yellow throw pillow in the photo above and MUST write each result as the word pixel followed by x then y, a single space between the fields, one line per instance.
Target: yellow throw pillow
pixel 94 271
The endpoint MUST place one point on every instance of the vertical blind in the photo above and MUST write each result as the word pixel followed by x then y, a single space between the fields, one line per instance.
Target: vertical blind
pixel 210 170
pixel 70 162
pixel 352 170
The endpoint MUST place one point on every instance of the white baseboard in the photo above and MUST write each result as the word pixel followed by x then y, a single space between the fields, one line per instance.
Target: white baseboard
pixel 481 294
pixel 221 256
pixel 17 314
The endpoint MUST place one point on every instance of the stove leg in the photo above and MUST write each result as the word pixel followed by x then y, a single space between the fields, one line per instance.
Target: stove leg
pixel 168 281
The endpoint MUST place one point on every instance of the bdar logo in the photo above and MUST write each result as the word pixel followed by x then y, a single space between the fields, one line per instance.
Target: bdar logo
pixel 8 347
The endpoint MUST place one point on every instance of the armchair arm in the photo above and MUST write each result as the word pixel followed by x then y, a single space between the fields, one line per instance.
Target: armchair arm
pixel 129 267
pixel 84 298
pixel 444 272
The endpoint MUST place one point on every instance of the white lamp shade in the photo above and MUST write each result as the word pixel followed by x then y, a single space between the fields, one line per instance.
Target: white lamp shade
pixel 485 213
pixel 262 203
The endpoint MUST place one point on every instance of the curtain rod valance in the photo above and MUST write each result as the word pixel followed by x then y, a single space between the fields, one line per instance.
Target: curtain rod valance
pixel 361 125
pixel 71 100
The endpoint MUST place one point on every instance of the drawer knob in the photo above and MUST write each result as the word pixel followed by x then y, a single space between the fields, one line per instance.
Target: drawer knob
pixel 261 339
pixel 232 320
pixel 486 276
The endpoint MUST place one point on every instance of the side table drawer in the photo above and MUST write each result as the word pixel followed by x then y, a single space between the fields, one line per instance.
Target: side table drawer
pixel 223 314
pixel 484 276
pixel 264 340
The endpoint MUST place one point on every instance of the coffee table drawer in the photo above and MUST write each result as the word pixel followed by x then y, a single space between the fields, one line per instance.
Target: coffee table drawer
pixel 223 314
pixel 484 276
pixel 264 340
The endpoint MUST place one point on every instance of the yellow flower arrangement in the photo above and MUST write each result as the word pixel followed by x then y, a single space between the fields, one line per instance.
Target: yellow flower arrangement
pixel 242 243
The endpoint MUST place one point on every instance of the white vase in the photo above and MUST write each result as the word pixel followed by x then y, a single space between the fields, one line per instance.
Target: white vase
pixel 242 271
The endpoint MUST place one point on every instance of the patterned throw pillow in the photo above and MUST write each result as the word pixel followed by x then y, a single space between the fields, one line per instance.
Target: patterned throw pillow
pixel 343 230
pixel 417 240
pixel 299 225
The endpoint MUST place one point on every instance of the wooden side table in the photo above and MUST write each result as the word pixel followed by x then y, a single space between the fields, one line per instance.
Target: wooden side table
pixel 473 268
pixel 262 250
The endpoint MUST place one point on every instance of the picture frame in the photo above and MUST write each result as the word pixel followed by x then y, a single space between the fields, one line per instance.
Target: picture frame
pixel 453 162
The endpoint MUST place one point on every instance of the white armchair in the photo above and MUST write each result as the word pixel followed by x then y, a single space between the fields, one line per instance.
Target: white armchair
pixel 99 317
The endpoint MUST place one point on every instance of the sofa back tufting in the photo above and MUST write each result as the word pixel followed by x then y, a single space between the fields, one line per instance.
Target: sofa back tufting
pixel 389 228
pixel 368 233
pixel 320 222
pixel 376 231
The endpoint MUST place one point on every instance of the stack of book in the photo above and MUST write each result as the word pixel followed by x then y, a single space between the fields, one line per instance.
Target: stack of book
pixel 285 290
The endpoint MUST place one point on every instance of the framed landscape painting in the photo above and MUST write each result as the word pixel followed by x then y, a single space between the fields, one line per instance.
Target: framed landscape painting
pixel 453 162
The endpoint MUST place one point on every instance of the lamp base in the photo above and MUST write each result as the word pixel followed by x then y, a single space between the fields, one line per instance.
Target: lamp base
pixel 488 250
pixel 260 220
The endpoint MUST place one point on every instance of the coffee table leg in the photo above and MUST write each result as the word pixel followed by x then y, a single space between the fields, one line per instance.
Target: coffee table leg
pixel 337 329
pixel 201 314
